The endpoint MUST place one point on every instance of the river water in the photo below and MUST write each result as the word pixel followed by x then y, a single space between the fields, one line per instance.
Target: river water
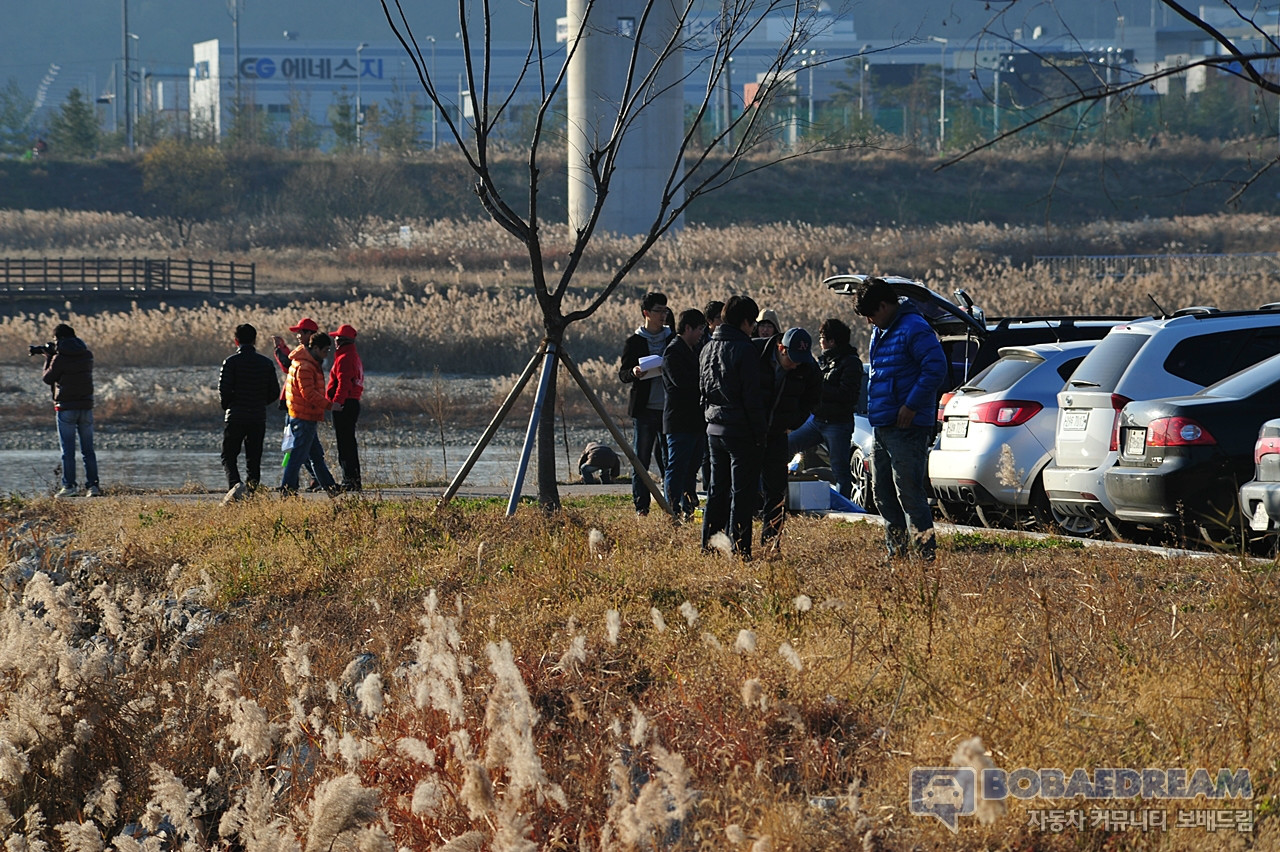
pixel 34 472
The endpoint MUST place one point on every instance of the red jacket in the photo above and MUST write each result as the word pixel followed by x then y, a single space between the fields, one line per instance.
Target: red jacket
pixel 304 390
pixel 346 376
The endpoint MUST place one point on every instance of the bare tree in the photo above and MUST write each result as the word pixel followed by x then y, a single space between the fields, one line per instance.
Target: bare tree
pixel 701 164
pixel 1079 90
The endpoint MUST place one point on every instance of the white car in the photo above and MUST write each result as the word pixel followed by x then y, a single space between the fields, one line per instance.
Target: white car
pixel 1142 360
pixel 997 434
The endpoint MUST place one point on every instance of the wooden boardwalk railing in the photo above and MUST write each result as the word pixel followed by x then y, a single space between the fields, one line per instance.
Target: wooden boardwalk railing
pixel 19 276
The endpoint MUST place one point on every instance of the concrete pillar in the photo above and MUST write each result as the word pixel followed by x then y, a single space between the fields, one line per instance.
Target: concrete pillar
pixel 597 76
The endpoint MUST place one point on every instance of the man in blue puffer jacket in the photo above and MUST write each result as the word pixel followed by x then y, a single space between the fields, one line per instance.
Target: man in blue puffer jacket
pixel 907 371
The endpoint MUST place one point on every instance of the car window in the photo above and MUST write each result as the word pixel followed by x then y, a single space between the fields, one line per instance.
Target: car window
pixel 1248 381
pixel 1003 373
pixel 1067 367
pixel 1264 343
pixel 1103 367
pixel 1204 358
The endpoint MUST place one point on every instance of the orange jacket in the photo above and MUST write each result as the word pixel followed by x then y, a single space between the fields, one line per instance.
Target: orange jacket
pixel 304 390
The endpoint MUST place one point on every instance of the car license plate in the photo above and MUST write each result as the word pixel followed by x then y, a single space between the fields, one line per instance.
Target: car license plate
pixel 1135 442
pixel 957 427
pixel 1261 521
pixel 1075 421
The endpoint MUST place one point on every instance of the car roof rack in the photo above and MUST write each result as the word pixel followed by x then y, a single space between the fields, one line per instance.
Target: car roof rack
pixel 1195 310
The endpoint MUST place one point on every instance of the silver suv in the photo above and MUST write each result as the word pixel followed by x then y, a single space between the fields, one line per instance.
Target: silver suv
pixel 1146 359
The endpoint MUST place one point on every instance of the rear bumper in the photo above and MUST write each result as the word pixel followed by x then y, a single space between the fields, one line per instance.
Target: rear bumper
pixel 1260 497
pixel 1078 492
pixel 1159 495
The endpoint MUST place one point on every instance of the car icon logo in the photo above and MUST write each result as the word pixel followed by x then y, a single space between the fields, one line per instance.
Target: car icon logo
pixel 943 792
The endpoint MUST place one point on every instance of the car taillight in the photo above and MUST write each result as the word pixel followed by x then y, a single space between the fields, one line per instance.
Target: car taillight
pixel 942 404
pixel 1177 432
pixel 1117 402
pixel 1268 446
pixel 1009 412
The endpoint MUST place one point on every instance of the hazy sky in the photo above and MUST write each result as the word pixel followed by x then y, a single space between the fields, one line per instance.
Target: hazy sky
pixel 84 37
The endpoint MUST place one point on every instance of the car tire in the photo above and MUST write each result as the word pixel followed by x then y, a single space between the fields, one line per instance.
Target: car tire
pixel 860 473
pixel 1002 516
pixel 1132 533
pixel 1220 521
pixel 960 514
pixel 1074 525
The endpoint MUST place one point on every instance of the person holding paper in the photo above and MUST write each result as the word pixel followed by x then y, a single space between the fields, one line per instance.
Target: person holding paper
pixel 647 397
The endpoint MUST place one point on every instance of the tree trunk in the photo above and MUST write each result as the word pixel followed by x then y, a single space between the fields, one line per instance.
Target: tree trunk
pixel 548 491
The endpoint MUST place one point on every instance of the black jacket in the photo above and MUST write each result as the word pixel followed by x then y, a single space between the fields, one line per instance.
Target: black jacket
pixel 246 385
pixel 841 385
pixel 69 374
pixel 789 395
pixel 682 411
pixel 729 380
pixel 636 347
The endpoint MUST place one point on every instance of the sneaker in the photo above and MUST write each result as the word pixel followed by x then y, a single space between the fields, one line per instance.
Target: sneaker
pixel 66 491
pixel 237 492
pixel 94 491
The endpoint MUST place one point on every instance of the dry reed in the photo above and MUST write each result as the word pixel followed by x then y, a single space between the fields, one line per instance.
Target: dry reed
pixel 285 675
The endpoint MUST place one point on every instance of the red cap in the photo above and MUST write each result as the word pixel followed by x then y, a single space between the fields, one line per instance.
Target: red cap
pixel 344 330
pixel 305 324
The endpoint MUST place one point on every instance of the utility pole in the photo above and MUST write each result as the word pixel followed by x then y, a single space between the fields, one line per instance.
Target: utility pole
pixel 235 32
pixel 124 42
pixel 434 109
pixel 942 92
pixel 359 103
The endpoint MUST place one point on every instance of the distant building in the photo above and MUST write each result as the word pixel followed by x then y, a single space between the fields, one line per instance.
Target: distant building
pixel 279 77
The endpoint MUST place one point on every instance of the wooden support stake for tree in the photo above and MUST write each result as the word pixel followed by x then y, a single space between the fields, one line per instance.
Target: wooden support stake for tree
pixel 590 394
pixel 492 428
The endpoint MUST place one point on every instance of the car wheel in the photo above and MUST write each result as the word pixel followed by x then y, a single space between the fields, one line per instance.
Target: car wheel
pixel 961 514
pixel 1220 520
pixel 1002 516
pixel 860 473
pixel 1074 524
pixel 1131 533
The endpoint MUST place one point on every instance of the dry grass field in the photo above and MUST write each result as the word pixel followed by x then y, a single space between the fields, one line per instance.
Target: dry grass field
pixel 381 675
pixel 370 675
pixel 456 300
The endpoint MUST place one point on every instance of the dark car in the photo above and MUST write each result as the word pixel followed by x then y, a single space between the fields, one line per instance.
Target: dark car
pixel 1183 459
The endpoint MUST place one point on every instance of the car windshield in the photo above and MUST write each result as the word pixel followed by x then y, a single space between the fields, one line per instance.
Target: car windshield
pixel 1002 374
pixel 1103 367
pixel 1247 382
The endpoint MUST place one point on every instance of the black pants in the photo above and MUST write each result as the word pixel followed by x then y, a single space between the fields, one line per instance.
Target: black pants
pixel 344 430
pixel 734 491
pixel 250 435
pixel 774 475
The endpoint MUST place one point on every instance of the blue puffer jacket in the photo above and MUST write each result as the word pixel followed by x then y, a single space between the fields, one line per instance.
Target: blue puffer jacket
pixel 907 368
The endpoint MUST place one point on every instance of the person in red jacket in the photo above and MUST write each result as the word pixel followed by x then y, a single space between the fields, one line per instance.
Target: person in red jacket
pixel 304 395
pixel 346 386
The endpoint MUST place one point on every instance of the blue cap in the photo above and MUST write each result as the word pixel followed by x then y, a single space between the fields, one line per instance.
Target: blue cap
pixel 798 344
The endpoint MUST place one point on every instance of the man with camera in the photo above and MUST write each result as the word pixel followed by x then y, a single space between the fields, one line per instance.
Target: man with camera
pixel 68 370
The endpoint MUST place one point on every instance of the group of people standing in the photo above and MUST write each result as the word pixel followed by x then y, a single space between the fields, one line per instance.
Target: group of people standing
pixel 735 394
pixel 721 390
pixel 248 384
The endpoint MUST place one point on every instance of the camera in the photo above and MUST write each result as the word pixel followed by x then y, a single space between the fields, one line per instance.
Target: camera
pixel 42 349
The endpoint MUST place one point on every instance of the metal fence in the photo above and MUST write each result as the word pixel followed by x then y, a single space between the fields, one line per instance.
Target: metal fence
pixel 1121 265
pixel 20 276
